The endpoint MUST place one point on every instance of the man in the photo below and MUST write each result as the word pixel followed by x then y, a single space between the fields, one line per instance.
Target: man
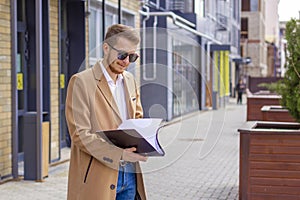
pixel 100 98
pixel 240 88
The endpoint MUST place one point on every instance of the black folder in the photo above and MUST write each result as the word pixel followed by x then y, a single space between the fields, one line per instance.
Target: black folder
pixel 131 138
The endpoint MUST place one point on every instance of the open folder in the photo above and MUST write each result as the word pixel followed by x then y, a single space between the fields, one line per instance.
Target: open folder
pixel 139 133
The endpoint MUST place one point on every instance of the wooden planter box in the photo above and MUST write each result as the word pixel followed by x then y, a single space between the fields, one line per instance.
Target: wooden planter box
pixel 269 161
pixel 276 113
pixel 256 102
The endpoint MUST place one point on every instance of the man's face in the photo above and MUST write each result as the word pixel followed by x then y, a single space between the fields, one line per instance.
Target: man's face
pixel 122 47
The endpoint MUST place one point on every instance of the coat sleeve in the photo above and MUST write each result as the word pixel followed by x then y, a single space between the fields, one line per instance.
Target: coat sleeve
pixel 78 115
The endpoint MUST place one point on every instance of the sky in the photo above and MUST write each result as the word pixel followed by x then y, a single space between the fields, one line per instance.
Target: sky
pixel 288 9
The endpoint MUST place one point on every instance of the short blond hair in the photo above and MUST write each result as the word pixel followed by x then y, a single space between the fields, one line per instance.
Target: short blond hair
pixel 119 30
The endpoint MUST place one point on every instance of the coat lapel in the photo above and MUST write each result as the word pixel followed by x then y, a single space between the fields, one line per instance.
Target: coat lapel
pixel 104 88
pixel 128 97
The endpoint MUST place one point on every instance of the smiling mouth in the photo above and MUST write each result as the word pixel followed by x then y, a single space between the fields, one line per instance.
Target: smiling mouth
pixel 122 66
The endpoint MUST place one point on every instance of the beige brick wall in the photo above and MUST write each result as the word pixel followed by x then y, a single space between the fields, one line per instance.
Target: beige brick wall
pixel 5 90
pixel 54 79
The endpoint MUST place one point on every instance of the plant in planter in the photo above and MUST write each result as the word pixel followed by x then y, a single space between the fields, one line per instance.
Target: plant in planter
pixel 269 151
pixel 271 87
pixel 289 88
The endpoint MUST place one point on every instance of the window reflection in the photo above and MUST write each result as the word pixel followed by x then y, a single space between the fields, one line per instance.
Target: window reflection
pixel 185 78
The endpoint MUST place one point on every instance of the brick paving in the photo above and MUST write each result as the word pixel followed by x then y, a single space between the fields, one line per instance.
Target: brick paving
pixel 201 162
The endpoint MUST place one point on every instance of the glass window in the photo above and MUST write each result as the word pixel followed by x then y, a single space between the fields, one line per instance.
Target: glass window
pixel 245 5
pixel 93 32
pixel 185 77
pixel 95 27
pixel 254 5
pixel 250 5
pixel 244 28
pixel 199 8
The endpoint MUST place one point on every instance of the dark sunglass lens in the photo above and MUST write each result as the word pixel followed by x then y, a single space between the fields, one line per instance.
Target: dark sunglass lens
pixel 122 55
pixel 133 57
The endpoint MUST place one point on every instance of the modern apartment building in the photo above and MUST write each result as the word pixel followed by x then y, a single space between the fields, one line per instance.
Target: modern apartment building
pixel 182 32
pixel 253 38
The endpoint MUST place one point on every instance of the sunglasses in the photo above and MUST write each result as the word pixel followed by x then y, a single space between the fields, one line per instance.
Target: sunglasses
pixel 122 55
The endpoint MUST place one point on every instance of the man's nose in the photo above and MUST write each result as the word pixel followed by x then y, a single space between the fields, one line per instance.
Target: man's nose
pixel 126 60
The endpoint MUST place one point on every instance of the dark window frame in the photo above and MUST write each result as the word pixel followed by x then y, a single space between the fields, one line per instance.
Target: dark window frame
pixel 244 28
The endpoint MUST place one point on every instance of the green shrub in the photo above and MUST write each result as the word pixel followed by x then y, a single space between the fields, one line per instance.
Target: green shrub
pixel 290 89
pixel 273 87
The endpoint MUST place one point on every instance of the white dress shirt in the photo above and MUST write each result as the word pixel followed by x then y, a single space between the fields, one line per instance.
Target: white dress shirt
pixel 117 90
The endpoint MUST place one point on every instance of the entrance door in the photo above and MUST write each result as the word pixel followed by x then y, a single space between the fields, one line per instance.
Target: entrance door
pixel 65 139
pixel 26 73
pixel 72 53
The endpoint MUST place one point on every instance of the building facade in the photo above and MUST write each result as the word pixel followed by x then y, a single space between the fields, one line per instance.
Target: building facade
pixel 43 43
pixel 221 25
pixel 198 41
pixel 253 38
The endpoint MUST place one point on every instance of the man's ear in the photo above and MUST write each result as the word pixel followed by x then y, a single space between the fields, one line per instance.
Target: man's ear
pixel 105 48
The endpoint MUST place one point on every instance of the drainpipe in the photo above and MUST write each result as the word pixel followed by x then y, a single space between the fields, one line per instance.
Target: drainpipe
pixel 39 86
pixel 154 43
pixel 144 31
pixel 154 50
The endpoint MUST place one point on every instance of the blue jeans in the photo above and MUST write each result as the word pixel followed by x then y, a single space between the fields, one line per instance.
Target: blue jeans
pixel 126 189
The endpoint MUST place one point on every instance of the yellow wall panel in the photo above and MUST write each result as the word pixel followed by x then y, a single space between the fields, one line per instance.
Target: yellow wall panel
pixel 226 63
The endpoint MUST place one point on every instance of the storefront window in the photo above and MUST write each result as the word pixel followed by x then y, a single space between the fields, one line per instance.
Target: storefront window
pixel 185 77
pixel 93 33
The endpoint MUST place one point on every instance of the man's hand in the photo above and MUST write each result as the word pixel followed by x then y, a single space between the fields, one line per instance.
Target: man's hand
pixel 130 156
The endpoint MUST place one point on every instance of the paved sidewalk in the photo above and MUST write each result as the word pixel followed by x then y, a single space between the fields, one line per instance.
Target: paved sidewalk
pixel 201 162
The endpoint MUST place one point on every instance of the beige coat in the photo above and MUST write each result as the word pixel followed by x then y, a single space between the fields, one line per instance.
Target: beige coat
pixel 94 163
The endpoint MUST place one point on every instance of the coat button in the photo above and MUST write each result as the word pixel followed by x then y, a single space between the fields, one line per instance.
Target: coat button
pixel 112 186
